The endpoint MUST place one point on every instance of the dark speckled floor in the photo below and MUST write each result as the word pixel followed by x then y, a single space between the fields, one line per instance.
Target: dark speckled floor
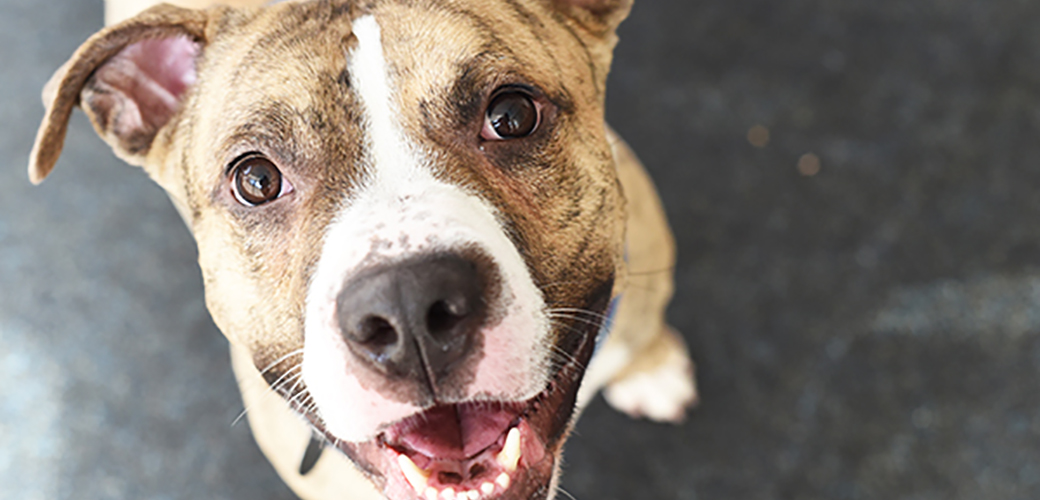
pixel 866 326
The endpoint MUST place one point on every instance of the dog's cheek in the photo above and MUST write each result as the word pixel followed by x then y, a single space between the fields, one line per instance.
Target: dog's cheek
pixel 227 291
pixel 574 234
pixel 249 306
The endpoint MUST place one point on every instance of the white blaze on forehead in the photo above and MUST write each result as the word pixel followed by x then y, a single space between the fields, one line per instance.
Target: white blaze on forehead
pixel 401 210
pixel 368 72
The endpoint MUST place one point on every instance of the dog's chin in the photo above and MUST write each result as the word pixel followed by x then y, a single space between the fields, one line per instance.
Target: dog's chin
pixel 473 450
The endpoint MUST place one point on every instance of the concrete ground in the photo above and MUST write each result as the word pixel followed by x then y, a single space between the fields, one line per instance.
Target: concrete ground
pixel 860 288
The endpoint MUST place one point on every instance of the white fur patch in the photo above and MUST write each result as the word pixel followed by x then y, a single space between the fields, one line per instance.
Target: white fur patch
pixel 662 394
pixel 402 210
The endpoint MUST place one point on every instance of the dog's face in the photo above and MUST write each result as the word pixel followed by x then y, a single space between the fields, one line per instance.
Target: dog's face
pixel 406 210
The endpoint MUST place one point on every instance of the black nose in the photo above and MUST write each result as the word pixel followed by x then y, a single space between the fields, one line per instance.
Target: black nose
pixel 416 319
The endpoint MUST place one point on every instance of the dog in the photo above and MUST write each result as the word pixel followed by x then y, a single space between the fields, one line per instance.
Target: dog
pixel 425 245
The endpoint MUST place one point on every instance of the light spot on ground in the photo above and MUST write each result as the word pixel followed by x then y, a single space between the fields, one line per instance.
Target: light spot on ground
pixel 758 136
pixel 809 165
pixel 30 409
pixel 994 305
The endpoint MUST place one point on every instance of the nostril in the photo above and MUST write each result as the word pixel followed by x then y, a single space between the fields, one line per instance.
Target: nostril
pixel 419 318
pixel 444 315
pixel 377 332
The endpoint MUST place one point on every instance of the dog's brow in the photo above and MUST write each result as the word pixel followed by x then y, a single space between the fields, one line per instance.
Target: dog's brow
pixel 271 126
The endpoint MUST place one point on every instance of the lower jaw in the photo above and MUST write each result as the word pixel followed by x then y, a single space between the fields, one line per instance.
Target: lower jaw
pixel 544 423
pixel 516 469
pixel 519 465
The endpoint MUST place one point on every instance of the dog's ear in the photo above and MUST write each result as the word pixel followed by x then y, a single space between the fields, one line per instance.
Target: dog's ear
pixel 129 78
pixel 601 17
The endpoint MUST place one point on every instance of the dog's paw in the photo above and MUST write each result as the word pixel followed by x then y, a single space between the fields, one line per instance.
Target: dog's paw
pixel 660 390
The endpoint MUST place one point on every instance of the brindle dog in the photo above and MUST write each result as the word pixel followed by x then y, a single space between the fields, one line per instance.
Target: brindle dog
pixel 413 225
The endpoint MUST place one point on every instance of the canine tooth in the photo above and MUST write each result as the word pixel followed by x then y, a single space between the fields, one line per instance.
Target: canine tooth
pixel 503 480
pixel 431 494
pixel 487 488
pixel 448 494
pixel 472 495
pixel 510 454
pixel 417 477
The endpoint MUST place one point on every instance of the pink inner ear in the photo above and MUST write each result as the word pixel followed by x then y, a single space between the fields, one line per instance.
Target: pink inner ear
pixel 136 92
pixel 169 62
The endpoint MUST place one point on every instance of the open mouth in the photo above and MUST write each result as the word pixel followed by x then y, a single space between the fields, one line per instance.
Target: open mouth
pixel 468 451
pixel 478 450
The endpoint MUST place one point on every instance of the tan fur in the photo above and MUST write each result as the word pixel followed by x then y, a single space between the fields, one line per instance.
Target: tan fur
pixel 290 96
pixel 117 11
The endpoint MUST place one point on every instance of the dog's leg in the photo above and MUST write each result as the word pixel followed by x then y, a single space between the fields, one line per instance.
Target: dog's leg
pixel 658 383
pixel 643 365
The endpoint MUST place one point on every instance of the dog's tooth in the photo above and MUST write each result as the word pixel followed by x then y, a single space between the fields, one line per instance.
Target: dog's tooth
pixel 472 495
pixel 431 494
pixel 503 480
pixel 510 454
pixel 487 488
pixel 417 477
pixel 448 494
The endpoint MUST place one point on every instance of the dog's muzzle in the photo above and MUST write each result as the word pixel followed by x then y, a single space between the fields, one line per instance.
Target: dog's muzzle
pixel 416 330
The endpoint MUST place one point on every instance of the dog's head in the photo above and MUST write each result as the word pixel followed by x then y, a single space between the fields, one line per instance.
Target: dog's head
pixel 408 211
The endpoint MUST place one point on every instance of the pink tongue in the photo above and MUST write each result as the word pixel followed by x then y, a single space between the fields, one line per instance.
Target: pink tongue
pixel 457 432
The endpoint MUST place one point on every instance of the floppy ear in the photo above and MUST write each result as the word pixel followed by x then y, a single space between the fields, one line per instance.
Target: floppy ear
pixel 601 17
pixel 129 78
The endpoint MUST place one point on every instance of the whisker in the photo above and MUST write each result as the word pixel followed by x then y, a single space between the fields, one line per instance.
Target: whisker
pixel 292 390
pixel 279 360
pixel 567 358
pixel 597 323
pixel 271 389
pixel 310 408
pixel 587 317
pixel 573 310
pixel 565 492
pixel 305 402
pixel 299 401
pixel 294 378
pixel 298 396
pixel 562 358
pixel 240 416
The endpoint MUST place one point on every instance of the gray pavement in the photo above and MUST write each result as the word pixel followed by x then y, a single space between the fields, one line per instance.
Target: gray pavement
pixel 861 292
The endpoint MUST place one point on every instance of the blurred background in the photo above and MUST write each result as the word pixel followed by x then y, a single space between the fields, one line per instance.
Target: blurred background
pixel 854 189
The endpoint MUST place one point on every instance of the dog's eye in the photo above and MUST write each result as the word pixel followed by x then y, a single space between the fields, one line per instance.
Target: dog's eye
pixel 511 115
pixel 256 181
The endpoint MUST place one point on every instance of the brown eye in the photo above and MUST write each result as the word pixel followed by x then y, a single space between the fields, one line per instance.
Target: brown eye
pixel 256 181
pixel 511 115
